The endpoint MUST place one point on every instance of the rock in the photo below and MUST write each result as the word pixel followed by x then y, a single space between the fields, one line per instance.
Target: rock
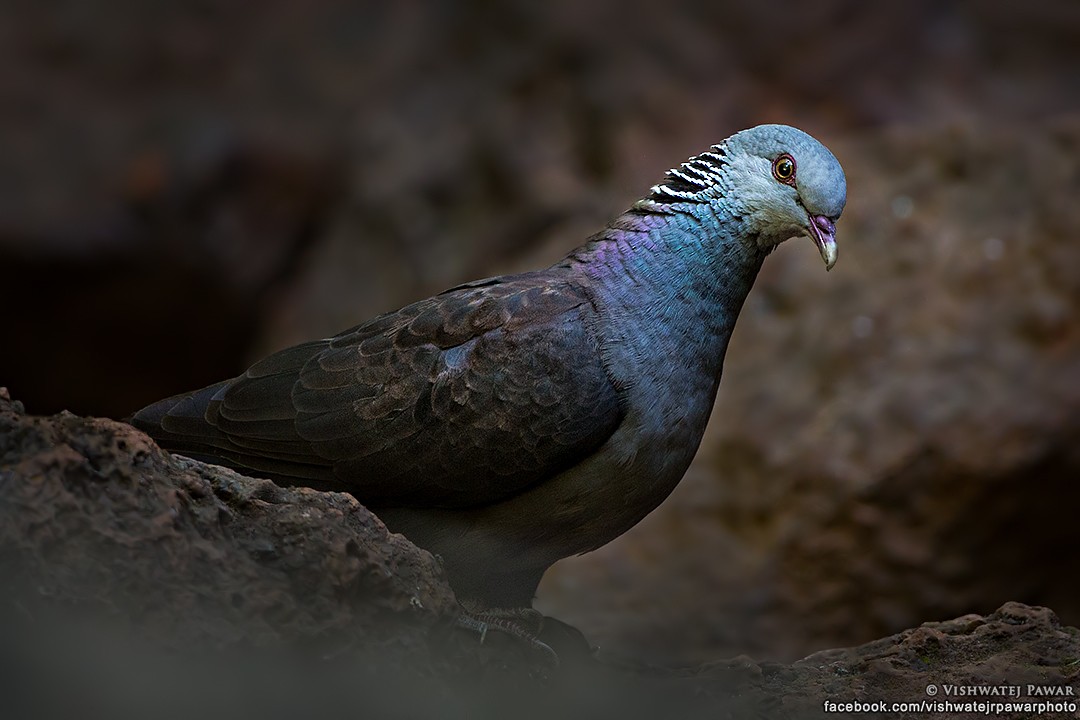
pixel 93 514
pixel 140 583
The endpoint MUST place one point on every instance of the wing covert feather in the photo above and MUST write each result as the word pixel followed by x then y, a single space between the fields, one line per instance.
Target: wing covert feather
pixel 460 400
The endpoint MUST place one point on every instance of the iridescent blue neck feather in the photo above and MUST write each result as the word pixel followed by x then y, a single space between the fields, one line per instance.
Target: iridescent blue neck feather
pixel 670 276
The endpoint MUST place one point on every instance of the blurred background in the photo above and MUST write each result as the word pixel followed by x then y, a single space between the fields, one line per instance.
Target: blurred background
pixel 186 186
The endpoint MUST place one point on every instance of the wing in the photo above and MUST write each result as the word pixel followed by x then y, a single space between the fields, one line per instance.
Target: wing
pixel 460 400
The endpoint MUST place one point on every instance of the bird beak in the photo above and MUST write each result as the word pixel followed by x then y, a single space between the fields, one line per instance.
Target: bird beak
pixel 823 232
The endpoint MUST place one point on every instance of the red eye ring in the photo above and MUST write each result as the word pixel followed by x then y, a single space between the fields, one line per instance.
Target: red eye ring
pixel 783 169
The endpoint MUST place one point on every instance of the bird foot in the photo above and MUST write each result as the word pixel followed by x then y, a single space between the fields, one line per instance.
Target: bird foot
pixel 524 624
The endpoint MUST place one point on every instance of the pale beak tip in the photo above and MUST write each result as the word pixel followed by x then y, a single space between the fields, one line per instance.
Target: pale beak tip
pixel 823 232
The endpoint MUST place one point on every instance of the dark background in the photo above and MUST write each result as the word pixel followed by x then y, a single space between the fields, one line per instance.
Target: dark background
pixel 187 186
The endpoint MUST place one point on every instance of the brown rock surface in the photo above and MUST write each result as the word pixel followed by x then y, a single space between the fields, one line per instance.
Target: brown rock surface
pixel 138 583
pixel 93 513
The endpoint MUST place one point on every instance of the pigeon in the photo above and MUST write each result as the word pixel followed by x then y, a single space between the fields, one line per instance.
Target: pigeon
pixel 510 422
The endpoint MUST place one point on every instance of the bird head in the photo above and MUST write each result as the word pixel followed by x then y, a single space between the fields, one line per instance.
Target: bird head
pixel 788 184
pixel 776 180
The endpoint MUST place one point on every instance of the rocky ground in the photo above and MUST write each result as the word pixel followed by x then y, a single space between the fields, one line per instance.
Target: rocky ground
pixel 139 582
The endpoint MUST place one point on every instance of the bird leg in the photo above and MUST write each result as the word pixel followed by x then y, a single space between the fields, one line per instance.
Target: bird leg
pixel 523 623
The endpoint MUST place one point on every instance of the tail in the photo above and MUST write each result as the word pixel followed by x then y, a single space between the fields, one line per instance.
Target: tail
pixel 185 424
pixel 188 424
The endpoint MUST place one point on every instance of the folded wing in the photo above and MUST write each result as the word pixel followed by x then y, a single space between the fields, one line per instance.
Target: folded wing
pixel 461 400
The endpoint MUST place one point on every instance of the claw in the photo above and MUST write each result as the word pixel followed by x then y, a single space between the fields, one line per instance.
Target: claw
pixel 510 621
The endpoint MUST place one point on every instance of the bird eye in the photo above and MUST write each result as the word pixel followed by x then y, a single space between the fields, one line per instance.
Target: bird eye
pixel 783 169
